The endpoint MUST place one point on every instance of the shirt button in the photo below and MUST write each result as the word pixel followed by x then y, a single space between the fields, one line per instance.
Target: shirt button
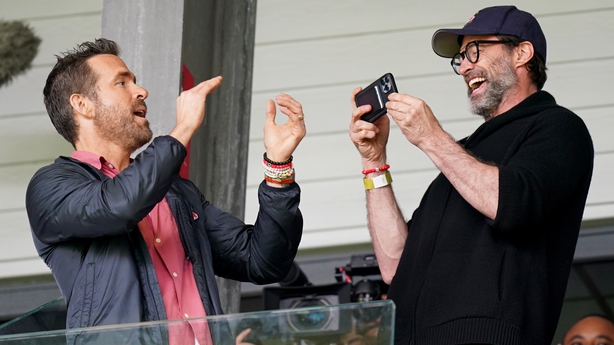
pixel 186 315
pixel 110 165
pixel 175 274
pixel 158 240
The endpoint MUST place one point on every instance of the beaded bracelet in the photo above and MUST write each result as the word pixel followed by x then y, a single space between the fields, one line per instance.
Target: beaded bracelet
pixel 275 166
pixel 283 174
pixel 279 180
pixel 384 168
pixel 277 170
pixel 289 160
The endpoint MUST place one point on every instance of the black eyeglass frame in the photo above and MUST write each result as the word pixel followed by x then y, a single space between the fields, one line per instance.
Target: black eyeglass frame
pixel 460 56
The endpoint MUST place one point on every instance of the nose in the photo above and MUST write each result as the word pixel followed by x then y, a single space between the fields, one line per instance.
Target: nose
pixel 141 92
pixel 465 66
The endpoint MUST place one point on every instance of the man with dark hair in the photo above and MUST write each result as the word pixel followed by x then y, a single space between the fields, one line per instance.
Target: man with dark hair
pixel 486 255
pixel 593 329
pixel 128 240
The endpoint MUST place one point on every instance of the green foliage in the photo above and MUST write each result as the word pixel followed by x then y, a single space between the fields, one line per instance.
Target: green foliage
pixel 18 47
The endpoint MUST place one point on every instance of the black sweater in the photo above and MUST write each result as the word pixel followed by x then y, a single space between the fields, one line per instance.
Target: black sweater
pixel 464 278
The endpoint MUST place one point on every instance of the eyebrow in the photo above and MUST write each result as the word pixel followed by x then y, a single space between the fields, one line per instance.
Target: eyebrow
pixel 126 74
pixel 600 336
pixel 577 336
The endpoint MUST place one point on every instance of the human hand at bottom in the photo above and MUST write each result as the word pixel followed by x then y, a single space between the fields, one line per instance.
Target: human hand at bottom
pixel 239 340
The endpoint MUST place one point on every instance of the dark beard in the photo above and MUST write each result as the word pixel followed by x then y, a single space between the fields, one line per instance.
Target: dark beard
pixel 118 126
pixel 502 79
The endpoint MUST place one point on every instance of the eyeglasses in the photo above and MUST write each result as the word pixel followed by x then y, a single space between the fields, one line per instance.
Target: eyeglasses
pixel 471 53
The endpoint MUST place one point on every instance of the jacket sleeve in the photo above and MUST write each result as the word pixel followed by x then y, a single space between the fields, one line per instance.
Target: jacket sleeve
pixel 262 253
pixel 550 168
pixel 65 201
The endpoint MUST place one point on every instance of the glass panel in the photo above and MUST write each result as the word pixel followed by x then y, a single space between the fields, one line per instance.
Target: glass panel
pixel 353 323
pixel 48 317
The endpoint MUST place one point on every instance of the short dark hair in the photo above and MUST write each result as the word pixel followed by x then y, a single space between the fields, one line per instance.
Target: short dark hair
pixel 536 66
pixel 71 75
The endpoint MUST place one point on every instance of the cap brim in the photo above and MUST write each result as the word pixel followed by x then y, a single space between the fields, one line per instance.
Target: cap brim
pixel 445 42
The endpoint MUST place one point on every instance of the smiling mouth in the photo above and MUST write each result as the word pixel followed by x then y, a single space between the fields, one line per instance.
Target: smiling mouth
pixel 475 83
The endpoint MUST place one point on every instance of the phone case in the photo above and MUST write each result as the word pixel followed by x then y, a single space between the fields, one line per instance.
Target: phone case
pixel 376 94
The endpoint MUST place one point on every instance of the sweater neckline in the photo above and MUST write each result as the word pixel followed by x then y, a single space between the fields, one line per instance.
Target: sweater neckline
pixel 530 106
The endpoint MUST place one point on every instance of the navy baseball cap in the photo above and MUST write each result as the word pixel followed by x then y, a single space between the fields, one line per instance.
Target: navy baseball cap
pixel 497 20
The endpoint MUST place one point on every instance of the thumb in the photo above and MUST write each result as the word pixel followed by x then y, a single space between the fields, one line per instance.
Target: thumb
pixel 270 111
pixel 241 337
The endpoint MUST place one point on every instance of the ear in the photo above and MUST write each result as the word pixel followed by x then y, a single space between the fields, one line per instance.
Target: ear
pixel 81 105
pixel 524 53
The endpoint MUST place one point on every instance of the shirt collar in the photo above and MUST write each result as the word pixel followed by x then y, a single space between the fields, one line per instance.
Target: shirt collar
pixel 90 158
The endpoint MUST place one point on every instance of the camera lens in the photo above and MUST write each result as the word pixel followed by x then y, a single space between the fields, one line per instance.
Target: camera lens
pixel 310 320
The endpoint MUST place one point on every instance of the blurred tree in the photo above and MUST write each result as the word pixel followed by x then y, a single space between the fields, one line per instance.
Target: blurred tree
pixel 18 47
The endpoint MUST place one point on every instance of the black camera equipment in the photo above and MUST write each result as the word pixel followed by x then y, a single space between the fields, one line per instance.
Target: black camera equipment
pixel 359 281
pixel 364 275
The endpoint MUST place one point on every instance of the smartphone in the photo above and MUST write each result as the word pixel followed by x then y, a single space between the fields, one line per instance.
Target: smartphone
pixel 376 94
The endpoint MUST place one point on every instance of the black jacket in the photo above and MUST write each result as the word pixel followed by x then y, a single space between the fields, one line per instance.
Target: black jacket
pixel 84 226
pixel 466 279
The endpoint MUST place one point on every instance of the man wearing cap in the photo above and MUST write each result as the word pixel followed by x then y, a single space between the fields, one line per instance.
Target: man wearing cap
pixel 486 256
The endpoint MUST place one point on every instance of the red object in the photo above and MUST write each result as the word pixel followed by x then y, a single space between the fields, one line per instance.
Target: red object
pixel 280 181
pixel 276 166
pixel 186 84
pixel 384 168
pixel 173 270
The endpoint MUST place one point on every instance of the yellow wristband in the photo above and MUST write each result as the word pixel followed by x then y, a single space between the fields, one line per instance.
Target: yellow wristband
pixel 378 181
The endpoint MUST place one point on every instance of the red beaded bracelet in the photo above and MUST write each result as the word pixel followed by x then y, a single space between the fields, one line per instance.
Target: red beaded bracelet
pixel 276 166
pixel 384 168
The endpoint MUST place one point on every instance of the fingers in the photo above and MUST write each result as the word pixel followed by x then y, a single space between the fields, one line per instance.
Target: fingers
pixel 363 129
pixel 241 337
pixel 401 105
pixel 289 106
pixel 208 86
pixel 360 111
pixel 354 93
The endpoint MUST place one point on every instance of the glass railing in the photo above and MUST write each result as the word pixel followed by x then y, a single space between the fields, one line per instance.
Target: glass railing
pixel 363 323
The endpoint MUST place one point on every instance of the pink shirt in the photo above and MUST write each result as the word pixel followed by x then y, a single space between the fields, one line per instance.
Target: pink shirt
pixel 173 269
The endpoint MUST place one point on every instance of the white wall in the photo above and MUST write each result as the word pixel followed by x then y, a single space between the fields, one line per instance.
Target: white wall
pixel 318 51
pixel 27 137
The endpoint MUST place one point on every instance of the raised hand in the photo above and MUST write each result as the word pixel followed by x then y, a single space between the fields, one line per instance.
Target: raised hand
pixel 415 119
pixel 280 141
pixel 191 109
pixel 369 138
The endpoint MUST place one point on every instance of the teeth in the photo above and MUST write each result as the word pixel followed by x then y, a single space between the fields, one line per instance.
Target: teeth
pixel 474 81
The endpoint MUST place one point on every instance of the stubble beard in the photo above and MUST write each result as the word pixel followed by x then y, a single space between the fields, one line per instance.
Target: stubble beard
pixel 500 79
pixel 118 125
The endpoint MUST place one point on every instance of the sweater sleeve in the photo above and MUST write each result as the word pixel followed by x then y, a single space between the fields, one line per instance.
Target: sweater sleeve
pixel 66 201
pixel 544 170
